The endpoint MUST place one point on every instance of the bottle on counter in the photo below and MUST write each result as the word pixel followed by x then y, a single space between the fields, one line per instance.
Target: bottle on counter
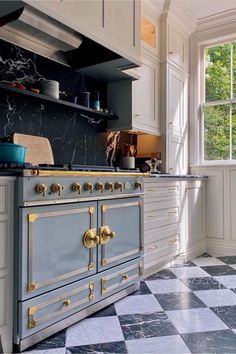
pixel 96 103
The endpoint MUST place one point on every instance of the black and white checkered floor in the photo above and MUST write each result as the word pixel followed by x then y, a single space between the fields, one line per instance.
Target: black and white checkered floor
pixel 189 308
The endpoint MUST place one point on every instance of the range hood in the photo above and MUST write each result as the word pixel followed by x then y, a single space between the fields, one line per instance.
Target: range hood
pixel 31 29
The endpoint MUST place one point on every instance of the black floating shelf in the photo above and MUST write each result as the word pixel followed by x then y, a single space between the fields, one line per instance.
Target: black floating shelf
pixel 85 110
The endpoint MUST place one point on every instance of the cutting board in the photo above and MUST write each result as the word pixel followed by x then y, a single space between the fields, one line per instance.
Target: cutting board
pixel 39 148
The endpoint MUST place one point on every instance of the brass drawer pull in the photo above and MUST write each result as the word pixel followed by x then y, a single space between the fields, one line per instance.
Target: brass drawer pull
pixel 125 277
pixel 31 320
pixel 153 216
pixel 67 302
pixel 104 285
pixel 172 212
pixel 152 248
pixel 172 189
pixel 91 288
pixel 152 190
pixel 171 242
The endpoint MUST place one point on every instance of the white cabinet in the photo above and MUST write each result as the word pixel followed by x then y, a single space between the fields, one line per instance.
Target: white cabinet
pixel 116 24
pixel 6 263
pixel 137 102
pixel 177 47
pixel 177 127
pixel 162 221
pixel 194 241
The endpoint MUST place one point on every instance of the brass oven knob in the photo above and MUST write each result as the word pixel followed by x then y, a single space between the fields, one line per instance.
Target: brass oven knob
pixel 100 187
pixel 138 185
pixel 90 238
pixel 109 186
pixel 76 187
pixel 41 189
pixel 88 187
pixel 57 188
pixel 119 186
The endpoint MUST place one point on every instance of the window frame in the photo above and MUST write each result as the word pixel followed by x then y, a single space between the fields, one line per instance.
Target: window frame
pixel 202 103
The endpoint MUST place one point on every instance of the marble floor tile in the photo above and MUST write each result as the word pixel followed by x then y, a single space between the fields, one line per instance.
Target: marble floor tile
pixel 158 345
pixel 114 347
pixel 189 272
pixel 207 261
pixel 146 325
pixel 107 311
pixel 221 297
pixel 138 304
pixel 202 283
pixel 143 290
pixel 233 266
pixel 58 340
pixel 227 314
pixel 106 329
pixel 234 330
pixel 229 281
pixel 220 270
pixel 222 342
pixel 195 320
pixel 48 351
pixel 179 301
pixel 162 274
pixel 166 286
pixel 180 265
pixel 228 259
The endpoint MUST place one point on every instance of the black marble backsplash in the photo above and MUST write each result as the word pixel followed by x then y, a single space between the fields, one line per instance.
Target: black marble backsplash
pixel 75 137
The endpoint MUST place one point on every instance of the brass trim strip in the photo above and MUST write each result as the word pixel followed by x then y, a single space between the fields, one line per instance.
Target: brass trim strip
pixel 122 271
pixel 46 173
pixel 123 255
pixel 123 205
pixel 117 285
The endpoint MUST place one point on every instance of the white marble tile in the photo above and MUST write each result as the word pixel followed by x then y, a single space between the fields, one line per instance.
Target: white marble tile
pixel 221 297
pixel 189 272
pixel 233 265
pixel 195 320
pixel 166 286
pixel 157 345
pixel 229 281
pixel 234 330
pixel 94 330
pixel 137 305
pixel 207 261
pixel 48 351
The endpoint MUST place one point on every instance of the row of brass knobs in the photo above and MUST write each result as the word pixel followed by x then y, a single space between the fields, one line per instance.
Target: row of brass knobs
pixel 76 187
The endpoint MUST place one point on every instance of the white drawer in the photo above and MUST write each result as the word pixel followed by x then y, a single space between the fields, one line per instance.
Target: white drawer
pixel 161 189
pixel 151 236
pixel 157 214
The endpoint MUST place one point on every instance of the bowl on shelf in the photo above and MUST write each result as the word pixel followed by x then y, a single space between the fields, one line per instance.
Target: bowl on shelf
pixel 12 153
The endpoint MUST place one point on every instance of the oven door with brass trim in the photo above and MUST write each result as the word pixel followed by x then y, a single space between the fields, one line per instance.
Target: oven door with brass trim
pixel 57 246
pixel 120 231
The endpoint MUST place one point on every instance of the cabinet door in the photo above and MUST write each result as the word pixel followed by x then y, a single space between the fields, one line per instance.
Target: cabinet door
pixel 145 99
pixel 177 47
pixel 122 24
pixel 177 128
pixel 122 220
pixel 52 246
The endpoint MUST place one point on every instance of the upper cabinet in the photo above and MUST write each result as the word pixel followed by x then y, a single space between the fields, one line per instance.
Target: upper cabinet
pixel 177 47
pixel 115 24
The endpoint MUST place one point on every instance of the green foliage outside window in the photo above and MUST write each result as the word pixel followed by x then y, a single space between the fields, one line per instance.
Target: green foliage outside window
pixel 219 86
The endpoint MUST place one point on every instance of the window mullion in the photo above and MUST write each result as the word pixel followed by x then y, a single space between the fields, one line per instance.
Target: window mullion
pixel 231 96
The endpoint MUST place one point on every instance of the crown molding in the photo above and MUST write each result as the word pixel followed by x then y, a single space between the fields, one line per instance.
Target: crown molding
pixel 224 19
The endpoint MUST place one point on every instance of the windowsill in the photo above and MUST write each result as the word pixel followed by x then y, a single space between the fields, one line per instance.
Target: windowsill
pixel 215 164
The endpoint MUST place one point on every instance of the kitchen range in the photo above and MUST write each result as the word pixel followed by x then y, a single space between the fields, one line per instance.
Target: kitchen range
pixel 78 246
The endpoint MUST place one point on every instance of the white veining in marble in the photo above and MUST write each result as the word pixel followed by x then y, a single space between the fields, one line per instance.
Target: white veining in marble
pixel 94 330
pixel 221 297
pixel 141 304
pixel 227 280
pixel 195 320
pixel 113 139
pixel 207 261
pixel 48 351
pixel 158 345
pixel 166 286
pixel 189 272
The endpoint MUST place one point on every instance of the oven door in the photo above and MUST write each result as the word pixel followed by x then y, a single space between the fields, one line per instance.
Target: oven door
pixel 120 223
pixel 57 246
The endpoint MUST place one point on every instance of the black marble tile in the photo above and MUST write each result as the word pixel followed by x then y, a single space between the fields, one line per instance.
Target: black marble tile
pixel 147 325
pixel 219 270
pixel 58 340
pixel 179 301
pixel 207 283
pixel 162 274
pixel 103 348
pixel 205 254
pixel 234 290
pixel 228 259
pixel 143 290
pixel 186 264
pixel 227 314
pixel 107 311
pixel 223 342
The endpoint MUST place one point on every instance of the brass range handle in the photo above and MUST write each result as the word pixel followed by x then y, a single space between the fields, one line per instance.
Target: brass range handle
pixel 90 238
pixel 57 188
pixel 41 189
pixel 106 234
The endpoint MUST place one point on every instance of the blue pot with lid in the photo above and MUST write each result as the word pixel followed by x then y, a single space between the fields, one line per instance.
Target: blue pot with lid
pixel 12 153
